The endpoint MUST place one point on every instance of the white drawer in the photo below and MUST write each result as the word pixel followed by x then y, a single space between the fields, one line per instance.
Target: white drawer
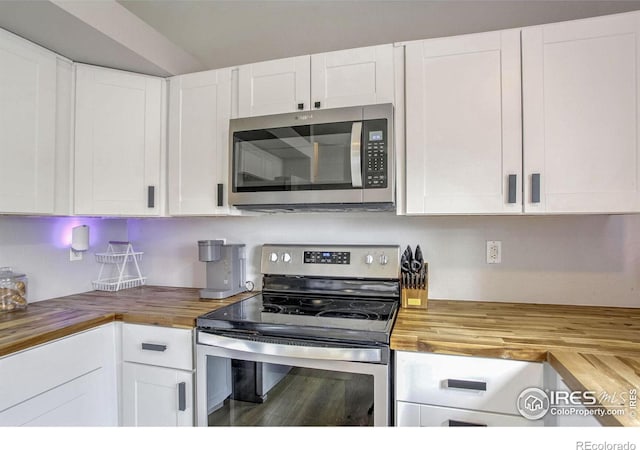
pixel 411 414
pixel 158 346
pixel 484 384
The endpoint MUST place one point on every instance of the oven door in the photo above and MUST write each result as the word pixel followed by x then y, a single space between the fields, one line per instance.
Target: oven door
pixel 241 382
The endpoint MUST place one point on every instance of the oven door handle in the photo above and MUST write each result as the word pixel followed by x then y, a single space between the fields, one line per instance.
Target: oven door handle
pixel 370 355
pixel 356 151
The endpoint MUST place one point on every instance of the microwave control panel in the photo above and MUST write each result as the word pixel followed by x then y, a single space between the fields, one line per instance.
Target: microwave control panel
pixel 375 153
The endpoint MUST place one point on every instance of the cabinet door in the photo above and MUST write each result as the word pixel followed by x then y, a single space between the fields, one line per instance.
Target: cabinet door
pixel 274 87
pixel 355 77
pixel 118 142
pixel 156 396
pixel 199 112
pixel 80 402
pixel 463 124
pixel 580 102
pixel 71 381
pixel 27 126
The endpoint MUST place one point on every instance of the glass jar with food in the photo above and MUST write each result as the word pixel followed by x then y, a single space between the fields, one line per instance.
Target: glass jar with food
pixel 13 290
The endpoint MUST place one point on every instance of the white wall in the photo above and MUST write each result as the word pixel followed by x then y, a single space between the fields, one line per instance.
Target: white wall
pixel 589 260
pixel 39 248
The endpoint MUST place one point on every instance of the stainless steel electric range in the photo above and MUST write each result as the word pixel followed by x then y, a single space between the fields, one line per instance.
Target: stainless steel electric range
pixel 311 349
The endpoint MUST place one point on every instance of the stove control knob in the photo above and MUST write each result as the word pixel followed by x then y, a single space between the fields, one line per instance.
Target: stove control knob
pixel 368 259
pixel 286 257
pixel 384 260
pixel 273 257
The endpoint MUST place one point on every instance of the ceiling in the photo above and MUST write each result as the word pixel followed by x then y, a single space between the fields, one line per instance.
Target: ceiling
pixel 226 33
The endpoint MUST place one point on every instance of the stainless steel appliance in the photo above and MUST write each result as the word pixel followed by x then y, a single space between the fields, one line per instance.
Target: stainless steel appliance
pixel 226 268
pixel 311 349
pixel 339 158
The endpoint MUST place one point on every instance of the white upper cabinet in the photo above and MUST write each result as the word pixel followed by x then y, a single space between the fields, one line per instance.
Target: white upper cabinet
pixel 354 77
pixel 360 76
pixel 463 125
pixel 27 126
pixel 580 108
pixel 119 140
pixel 274 87
pixel 199 112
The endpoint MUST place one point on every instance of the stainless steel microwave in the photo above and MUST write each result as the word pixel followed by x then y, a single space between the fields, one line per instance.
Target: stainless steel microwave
pixel 339 158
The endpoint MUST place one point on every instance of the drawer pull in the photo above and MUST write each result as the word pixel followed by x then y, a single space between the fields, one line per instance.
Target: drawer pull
pixel 466 384
pixel 154 347
pixel 460 423
pixel 220 194
pixel 513 188
pixel 182 396
pixel 151 196
pixel 535 188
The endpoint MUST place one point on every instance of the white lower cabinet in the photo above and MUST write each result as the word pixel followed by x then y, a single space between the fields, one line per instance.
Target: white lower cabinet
pixel 68 382
pixel 577 417
pixel 157 376
pixel 156 396
pixel 75 403
pixel 444 390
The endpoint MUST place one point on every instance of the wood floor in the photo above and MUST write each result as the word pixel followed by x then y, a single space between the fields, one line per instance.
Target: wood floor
pixel 305 397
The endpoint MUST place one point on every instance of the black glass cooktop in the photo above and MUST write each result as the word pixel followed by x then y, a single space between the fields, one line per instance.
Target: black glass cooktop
pixel 330 317
pixel 365 309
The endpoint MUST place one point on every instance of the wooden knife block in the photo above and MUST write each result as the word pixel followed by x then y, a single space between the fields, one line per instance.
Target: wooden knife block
pixel 415 298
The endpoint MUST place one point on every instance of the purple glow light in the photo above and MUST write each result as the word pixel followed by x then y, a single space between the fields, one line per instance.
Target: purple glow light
pixel 61 230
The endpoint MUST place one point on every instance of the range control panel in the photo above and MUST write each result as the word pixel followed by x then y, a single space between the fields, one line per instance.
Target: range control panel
pixel 317 257
pixel 348 261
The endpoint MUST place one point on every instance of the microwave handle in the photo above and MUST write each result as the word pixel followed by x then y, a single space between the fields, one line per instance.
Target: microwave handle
pixel 356 167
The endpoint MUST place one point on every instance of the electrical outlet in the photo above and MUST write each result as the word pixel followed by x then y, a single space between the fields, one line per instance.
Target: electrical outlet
pixel 74 256
pixel 494 252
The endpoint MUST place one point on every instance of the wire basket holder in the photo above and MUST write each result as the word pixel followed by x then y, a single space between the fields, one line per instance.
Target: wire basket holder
pixel 125 270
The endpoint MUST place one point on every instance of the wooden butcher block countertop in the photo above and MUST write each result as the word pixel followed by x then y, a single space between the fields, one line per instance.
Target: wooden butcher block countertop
pixel 523 331
pixel 20 330
pixel 149 305
pixel 592 348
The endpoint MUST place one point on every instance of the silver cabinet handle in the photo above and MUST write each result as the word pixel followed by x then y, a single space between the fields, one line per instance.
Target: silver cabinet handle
pixel 466 384
pixel 513 186
pixel 356 168
pixel 535 188
pixel 461 423
pixel 182 396
pixel 154 347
